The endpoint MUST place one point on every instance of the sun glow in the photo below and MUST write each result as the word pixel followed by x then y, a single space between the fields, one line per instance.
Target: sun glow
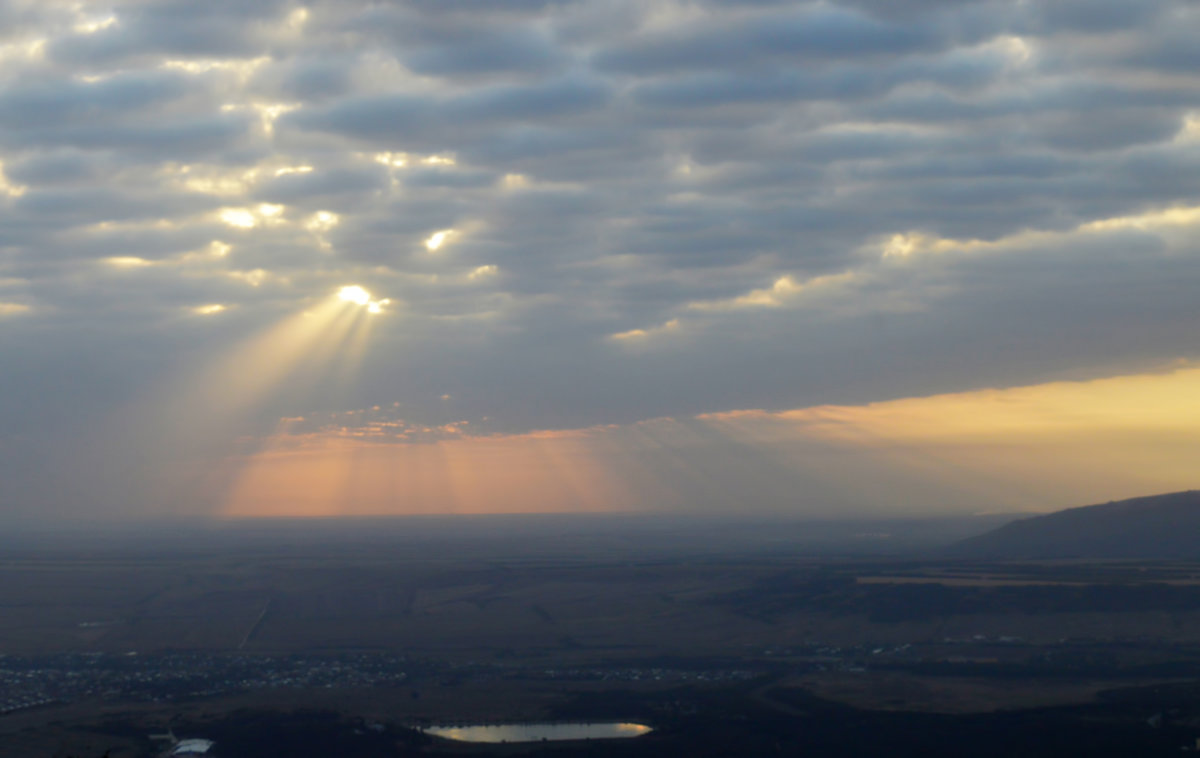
pixel 354 294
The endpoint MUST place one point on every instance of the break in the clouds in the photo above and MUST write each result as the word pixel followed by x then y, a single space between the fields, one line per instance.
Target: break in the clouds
pixel 568 214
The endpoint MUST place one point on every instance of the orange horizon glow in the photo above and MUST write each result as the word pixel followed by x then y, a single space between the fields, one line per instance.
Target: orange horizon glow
pixel 1027 448
pixel 327 477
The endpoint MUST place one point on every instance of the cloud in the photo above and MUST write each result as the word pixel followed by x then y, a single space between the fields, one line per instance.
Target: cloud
pixel 314 185
pixel 36 107
pixel 646 210
pixel 405 119
pixel 485 51
pixel 175 29
pixel 640 335
pixel 814 33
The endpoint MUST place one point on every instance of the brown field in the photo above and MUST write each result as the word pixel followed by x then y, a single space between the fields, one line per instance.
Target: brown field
pixel 963 581
pixel 517 615
pixel 483 608
pixel 212 604
pixel 905 692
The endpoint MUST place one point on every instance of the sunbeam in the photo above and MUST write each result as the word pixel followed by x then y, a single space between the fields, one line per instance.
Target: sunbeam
pixel 201 434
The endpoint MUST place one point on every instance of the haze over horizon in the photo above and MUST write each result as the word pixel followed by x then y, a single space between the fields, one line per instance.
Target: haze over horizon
pixel 852 257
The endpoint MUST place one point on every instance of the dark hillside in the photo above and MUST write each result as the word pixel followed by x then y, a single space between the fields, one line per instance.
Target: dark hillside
pixel 1160 527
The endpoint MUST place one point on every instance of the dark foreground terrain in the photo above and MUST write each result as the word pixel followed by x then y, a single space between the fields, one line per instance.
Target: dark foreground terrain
pixel 721 721
pixel 745 721
pixel 729 642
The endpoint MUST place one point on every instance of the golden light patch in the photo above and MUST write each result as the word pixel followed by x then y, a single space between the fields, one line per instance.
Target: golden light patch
pixel 241 67
pixel 785 290
pixel 1018 50
pixel 483 272
pixel 293 170
pixel 438 239
pixel 391 160
pixel 1167 217
pixel 93 24
pixel 7 187
pixel 913 245
pixel 240 218
pixel 297 19
pixel 353 293
pixel 1190 131
pixel 268 214
pixel 1026 447
pixel 254 277
pixel 901 246
pixel 24 51
pixel 322 221
pixel 641 334
pixel 269 113
pixel 128 261
pixel 211 181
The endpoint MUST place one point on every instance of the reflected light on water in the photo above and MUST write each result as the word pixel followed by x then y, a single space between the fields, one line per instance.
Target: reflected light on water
pixel 495 733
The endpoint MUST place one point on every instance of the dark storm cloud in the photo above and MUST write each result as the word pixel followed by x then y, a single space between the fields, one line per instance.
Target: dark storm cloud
pixel 773 203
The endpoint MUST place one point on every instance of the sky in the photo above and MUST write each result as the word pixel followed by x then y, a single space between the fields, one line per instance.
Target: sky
pixel 851 257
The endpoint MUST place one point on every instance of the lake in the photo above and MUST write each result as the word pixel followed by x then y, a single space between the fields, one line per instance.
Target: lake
pixel 537 732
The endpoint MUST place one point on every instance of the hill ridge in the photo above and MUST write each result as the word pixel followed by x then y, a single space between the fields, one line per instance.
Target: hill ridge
pixel 1165 526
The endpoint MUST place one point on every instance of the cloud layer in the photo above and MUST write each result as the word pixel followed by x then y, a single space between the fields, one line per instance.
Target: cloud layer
pixel 586 212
